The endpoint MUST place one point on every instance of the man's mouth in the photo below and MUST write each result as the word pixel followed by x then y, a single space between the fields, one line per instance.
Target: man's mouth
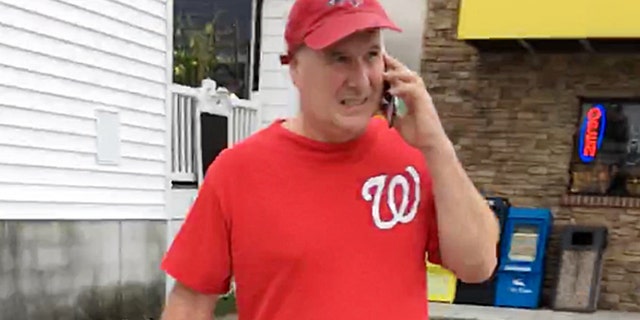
pixel 353 102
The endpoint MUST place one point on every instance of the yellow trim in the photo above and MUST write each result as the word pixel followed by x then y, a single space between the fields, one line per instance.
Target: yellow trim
pixel 547 19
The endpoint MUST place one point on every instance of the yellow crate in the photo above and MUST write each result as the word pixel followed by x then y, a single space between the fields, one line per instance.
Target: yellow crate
pixel 441 285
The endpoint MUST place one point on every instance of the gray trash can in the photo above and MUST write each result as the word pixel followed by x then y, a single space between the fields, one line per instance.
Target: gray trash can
pixel 577 284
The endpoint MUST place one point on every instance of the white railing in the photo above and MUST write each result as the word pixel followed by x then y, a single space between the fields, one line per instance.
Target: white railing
pixel 244 120
pixel 183 128
pixel 187 105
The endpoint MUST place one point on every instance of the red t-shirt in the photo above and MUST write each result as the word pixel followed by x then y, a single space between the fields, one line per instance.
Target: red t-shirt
pixel 308 231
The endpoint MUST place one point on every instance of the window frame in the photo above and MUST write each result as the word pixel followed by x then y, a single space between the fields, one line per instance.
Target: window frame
pixel 249 77
pixel 574 158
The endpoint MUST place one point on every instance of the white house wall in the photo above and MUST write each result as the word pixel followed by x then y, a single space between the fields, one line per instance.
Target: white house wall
pixel 275 88
pixel 278 96
pixel 406 46
pixel 62 61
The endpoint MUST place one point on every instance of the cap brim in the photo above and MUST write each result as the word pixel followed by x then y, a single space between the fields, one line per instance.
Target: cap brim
pixel 338 28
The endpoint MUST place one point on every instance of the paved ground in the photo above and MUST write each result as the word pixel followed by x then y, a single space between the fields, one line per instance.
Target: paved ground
pixel 454 311
pixel 440 311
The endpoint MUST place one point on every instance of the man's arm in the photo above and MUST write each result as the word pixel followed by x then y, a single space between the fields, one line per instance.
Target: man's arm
pixel 186 304
pixel 468 229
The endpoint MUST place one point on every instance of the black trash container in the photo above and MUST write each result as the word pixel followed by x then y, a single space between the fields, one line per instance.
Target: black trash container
pixel 483 294
pixel 577 284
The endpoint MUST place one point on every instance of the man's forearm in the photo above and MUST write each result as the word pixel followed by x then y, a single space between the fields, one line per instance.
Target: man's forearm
pixel 468 229
pixel 186 304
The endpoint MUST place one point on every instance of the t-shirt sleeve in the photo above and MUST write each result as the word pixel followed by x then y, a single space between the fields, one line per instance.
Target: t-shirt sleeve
pixel 199 256
pixel 433 241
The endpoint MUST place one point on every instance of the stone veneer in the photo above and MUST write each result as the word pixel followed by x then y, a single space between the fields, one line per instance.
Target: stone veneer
pixel 512 117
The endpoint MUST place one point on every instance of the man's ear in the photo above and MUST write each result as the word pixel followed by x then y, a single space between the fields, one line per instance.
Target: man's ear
pixel 294 66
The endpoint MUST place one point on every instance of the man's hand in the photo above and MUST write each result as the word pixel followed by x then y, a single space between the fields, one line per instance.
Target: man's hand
pixel 420 125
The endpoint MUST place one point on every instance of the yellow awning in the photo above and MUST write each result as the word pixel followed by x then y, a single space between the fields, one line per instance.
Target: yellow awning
pixel 547 19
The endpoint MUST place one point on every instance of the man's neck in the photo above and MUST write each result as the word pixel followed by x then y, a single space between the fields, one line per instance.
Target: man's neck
pixel 299 126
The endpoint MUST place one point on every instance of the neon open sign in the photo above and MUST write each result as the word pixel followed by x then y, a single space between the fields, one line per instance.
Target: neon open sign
pixel 591 133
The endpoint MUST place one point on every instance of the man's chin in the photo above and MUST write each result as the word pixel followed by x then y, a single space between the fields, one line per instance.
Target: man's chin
pixel 354 124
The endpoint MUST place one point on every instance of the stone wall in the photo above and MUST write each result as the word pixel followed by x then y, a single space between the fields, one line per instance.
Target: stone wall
pixel 512 117
pixel 101 270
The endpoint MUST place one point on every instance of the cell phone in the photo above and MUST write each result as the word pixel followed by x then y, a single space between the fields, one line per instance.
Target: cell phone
pixel 388 104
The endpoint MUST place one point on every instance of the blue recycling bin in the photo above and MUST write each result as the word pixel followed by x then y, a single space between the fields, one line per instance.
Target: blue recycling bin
pixel 521 269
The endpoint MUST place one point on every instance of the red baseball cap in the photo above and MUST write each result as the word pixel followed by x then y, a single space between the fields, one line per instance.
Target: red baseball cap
pixel 321 23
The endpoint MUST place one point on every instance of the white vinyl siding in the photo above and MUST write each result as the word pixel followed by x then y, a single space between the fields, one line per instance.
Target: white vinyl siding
pixel 275 84
pixel 63 60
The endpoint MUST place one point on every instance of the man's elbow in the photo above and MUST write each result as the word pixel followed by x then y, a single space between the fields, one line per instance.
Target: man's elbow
pixel 481 268
pixel 478 273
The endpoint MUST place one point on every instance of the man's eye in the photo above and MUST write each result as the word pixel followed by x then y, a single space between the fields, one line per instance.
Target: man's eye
pixel 341 59
pixel 373 54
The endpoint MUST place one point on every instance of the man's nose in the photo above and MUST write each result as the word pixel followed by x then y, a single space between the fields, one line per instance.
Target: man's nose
pixel 359 74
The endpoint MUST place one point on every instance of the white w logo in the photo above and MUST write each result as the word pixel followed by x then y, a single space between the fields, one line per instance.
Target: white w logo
pixel 399 214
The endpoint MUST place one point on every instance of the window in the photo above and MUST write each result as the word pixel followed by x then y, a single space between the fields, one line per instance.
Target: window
pixel 213 39
pixel 606 153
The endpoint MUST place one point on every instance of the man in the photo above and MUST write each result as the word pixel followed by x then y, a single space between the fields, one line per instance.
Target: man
pixel 329 214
